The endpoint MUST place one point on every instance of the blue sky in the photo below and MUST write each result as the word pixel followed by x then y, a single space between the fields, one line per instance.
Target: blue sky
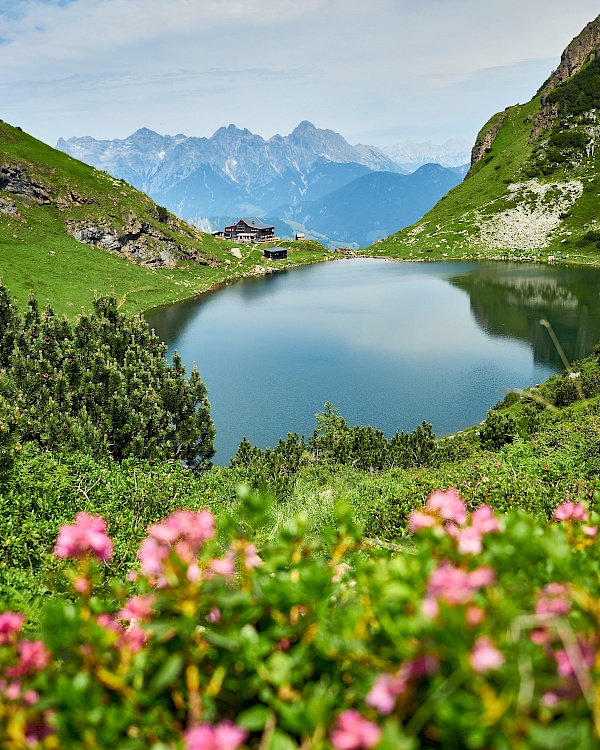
pixel 377 71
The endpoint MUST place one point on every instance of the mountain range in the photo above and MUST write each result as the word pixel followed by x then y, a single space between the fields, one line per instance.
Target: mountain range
pixel 312 180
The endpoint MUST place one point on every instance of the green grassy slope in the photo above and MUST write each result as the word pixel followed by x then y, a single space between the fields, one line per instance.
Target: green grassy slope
pixel 533 194
pixel 37 252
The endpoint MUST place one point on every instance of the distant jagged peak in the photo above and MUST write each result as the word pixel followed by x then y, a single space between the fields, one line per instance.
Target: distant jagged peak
pixel 232 130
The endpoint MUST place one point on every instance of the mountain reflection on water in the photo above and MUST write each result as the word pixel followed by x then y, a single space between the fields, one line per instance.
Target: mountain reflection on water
pixel 510 299
pixel 391 344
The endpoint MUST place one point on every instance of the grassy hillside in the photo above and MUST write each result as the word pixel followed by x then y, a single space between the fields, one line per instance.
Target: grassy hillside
pixel 47 198
pixel 532 192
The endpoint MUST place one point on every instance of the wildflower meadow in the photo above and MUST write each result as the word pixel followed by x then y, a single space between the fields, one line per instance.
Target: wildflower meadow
pixel 481 632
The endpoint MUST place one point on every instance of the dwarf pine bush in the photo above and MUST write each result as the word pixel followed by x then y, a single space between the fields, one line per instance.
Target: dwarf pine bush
pixel 101 384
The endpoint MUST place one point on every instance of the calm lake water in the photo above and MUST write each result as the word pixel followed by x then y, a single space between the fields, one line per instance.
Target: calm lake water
pixel 392 344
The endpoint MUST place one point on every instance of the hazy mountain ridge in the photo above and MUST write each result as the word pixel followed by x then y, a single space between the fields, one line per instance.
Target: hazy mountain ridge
pixel 368 208
pixel 235 172
pixel 410 156
pixel 246 158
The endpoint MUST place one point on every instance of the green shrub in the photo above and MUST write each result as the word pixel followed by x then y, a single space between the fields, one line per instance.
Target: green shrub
pixel 497 430
pixel 333 443
pixel 102 384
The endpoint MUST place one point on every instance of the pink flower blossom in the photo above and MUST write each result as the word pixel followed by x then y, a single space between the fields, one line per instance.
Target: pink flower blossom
pixel 30 697
pixel 194 572
pixel 188 527
pixel 485 656
pixel 152 555
pixel 384 692
pixel 10 624
pixel 550 699
pixel 13 691
pixel 539 637
pixel 133 638
pixel 552 600
pixel 223 736
pixel 456 586
pixel 590 531
pixel 223 566
pixel 484 520
pixel 474 615
pixel 86 535
pixel 33 657
pixel 251 558
pixel 214 615
pixel 138 608
pixel 108 623
pixel 570 512
pixel 583 651
pixel 184 532
pixel 419 520
pixel 449 505
pixel 354 732
pixel 469 539
pixel 81 585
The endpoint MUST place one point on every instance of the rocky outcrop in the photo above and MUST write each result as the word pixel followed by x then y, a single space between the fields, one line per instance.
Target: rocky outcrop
pixel 8 207
pixel 530 224
pixel 140 242
pixel 582 49
pixel 485 139
pixel 575 56
pixel 15 180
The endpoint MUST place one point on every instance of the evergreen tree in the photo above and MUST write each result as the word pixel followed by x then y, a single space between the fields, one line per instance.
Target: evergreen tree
pixel 102 384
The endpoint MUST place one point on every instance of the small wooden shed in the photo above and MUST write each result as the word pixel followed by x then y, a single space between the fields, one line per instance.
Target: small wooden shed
pixel 276 253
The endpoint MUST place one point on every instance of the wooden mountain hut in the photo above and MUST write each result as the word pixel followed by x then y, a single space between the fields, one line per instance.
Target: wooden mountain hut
pixel 249 229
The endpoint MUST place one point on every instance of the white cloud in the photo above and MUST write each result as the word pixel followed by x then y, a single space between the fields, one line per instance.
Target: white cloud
pixel 375 71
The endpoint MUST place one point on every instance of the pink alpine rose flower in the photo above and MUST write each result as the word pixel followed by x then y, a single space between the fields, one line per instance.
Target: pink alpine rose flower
pixel 384 692
pixel 223 566
pixel 570 512
pixel 183 532
pixel 469 539
pixel 354 732
pixel 584 652
pixel 419 520
pixel 454 586
pixel 484 520
pixel 223 736
pixel 552 600
pixel 133 638
pixel 10 625
pixel 33 657
pixel 251 558
pixel 86 535
pixel 449 505
pixel 485 656
pixel 138 608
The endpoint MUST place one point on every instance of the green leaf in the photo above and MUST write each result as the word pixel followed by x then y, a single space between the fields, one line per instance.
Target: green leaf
pixel 169 672
pixel 254 719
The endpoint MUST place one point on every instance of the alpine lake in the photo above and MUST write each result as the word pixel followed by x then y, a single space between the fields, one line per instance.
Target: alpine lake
pixel 391 344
